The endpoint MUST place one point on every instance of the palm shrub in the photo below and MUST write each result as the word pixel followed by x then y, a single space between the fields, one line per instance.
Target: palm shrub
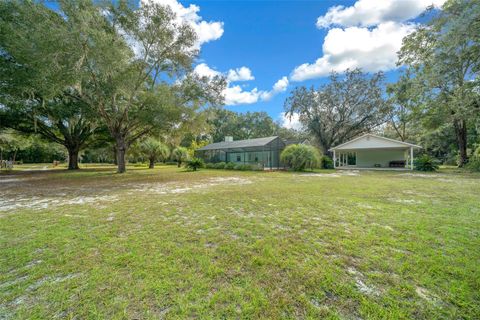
pixel 154 150
pixel 299 157
pixel 195 164
pixel 426 163
pixel 180 154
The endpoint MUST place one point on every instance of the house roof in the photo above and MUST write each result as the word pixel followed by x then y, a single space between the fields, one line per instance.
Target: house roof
pixel 371 141
pixel 258 142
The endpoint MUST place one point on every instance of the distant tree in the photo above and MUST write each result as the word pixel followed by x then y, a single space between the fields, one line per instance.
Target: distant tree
pixel 404 103
pixel 444 56
pixel 180 154
pixel 11 143
pixel 345 107
pixel 240 125
pixel 194 145
pixel 154 150
pixel 300 156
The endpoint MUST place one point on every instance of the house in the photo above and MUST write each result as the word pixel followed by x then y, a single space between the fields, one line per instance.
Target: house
pixel 262 151
pixel 372 151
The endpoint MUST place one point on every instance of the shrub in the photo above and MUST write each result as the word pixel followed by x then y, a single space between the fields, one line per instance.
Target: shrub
pixel 220 165
pixel 426 163
pixel 243 167
pixel 230 166
pixel 210 165
pixel 326 162
pixel 474 164
pixel 300 156
pixel 195 164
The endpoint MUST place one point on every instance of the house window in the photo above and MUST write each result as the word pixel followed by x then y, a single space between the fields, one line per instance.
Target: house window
pixel 239 158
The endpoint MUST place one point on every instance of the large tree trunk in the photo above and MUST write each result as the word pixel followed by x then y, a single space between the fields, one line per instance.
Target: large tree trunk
pixel 152 163
pixel 73 158
pixel 121 151
pixel 461 133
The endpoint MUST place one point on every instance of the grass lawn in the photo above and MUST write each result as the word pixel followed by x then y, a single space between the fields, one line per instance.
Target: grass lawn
pixel 166 243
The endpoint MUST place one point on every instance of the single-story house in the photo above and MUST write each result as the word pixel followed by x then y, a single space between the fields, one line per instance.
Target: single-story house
pixel 372 151
pixel 262 151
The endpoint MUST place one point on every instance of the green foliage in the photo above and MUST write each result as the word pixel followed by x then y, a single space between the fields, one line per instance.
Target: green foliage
pixel 243 167
pixel 474 162
pixel 220 165
pixel 154 150
pixel 230 166
pixel 180 154
pixel 442 55
pixel 426 163
pixel 83 50
pixel 326 162
pixel 195 164
pixel 194 145
pixel 299 157
pixel 233 166
pixel 347 106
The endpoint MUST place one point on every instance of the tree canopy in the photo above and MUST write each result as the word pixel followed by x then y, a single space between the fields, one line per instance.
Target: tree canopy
pixel 348 105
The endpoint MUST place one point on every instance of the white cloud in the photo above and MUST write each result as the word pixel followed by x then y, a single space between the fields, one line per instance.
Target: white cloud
pixel 290 122
pixel 240 74
pixel 367 35
pixel 235 94
pixel 203 70
pixel 281 85
pixel 373 12
pixel 206 31
pixel 370 49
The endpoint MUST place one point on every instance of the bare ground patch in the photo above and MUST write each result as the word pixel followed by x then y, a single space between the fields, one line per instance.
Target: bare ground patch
pixel 43 197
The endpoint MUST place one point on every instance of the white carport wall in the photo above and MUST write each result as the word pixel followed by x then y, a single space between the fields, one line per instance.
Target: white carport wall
pixel 371 151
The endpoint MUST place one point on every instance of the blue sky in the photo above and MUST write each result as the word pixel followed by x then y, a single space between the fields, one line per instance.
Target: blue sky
pixel 267 48
pixel 269 37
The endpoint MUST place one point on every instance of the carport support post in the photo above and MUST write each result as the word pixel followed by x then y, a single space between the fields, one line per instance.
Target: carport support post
pixel 334 159
pixel 411 158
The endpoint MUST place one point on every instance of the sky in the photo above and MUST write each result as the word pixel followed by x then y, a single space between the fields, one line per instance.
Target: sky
pixel 267 48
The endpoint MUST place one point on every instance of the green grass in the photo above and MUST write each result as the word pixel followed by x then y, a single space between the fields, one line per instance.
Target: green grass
pixel 166 243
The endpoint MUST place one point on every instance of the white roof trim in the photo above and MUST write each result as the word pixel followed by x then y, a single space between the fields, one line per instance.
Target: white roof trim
pixel 379 137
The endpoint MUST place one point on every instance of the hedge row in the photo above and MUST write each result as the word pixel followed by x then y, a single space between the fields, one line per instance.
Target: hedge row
pixel 233 166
